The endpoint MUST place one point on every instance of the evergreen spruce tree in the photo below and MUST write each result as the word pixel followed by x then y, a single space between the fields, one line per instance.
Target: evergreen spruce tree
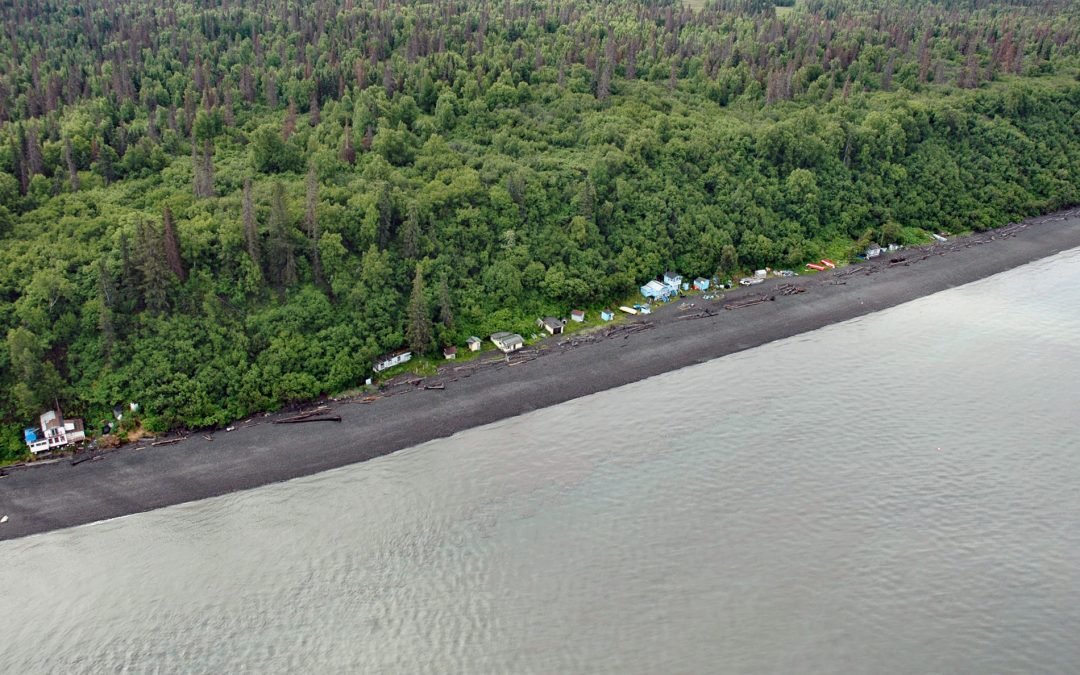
pixel 153 269
pixel 311 222
pixel 446 310
pixel 251 228
pixel 282 257
pixel 419 329
pixel 172 246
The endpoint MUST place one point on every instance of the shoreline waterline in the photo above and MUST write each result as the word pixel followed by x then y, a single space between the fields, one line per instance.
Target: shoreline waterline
pixel 133 480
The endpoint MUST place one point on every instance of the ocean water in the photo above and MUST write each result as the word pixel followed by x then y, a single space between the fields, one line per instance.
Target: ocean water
pixel 895 494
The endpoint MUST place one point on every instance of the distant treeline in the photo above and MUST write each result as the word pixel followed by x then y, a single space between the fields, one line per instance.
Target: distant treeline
pixel 214 208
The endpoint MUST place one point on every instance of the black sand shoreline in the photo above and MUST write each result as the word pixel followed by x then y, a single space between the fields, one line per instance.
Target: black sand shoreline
pixel 135 479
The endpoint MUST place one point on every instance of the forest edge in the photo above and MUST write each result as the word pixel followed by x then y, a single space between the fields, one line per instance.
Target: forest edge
pixel 141 477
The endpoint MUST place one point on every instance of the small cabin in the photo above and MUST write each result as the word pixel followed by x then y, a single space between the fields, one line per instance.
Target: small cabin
pixel 507 342
pixel 449 353
pixel 474 343
pixel 551 325
pixel 577 315
pixel 701 284
pixel 656 290
pixel 606 315
pixel 387 361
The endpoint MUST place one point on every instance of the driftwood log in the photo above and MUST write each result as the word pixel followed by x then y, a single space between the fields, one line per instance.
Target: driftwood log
pixel 749 302
pixel 309 418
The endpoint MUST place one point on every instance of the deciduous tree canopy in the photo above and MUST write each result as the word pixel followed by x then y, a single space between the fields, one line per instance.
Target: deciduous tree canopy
pixel 214 208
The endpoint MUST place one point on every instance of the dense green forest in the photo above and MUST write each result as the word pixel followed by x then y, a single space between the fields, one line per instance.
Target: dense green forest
pixel 213 207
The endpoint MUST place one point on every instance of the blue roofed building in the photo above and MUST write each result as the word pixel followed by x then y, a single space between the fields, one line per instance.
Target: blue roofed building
pixel 657 290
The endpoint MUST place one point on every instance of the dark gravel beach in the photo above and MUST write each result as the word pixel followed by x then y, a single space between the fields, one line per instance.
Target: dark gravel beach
pixel 139 478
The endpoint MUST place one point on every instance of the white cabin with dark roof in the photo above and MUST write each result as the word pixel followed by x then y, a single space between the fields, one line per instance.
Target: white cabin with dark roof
pixel 551 324
pixel 508 342
pixel 387 361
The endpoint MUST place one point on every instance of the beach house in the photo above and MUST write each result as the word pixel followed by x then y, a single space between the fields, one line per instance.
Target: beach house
pixel 657 290
pixel 387 361
pixel 673 280
pixel 54 432
pixel 507 342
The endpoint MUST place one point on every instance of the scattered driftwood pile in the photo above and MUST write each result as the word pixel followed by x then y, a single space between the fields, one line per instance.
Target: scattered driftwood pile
pixel 317 415
pixel 623 330
pixel 168 441
pixel 749 302
pixel 628 329
pixel 703 314
pixel 790 289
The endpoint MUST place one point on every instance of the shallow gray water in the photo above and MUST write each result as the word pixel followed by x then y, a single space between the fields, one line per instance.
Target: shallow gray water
pixel 899 493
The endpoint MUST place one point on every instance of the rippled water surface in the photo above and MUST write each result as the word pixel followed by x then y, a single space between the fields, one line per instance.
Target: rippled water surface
pixel 898 494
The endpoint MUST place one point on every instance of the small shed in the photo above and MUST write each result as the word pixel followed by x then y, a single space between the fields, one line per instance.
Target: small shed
pixel 873 251
pixel 551 325
pixel 449 353
pixel 701 284
pixel 606 315
pixel 387 361
pixel 507 342
pixel 577 315
pixel 474 343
